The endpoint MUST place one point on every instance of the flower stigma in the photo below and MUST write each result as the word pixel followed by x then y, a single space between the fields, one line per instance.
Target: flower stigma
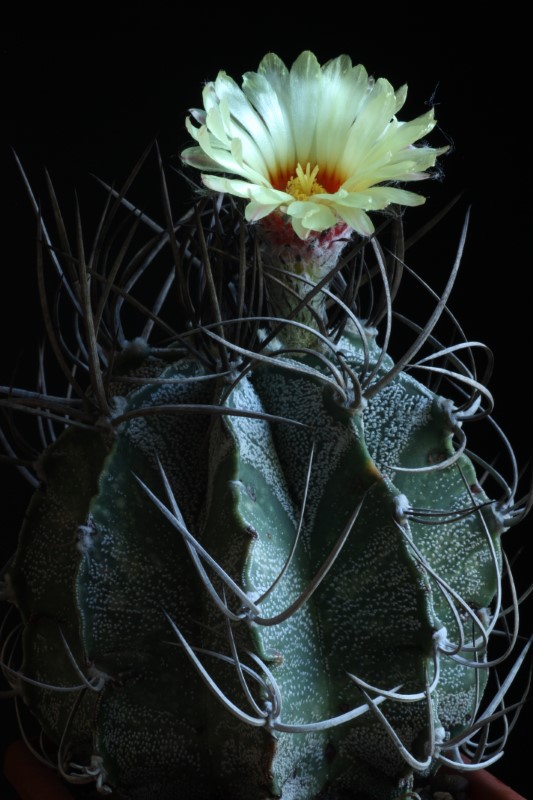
pixel 304 184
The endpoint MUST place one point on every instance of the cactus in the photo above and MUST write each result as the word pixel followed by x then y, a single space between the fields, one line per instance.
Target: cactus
pixel 258 562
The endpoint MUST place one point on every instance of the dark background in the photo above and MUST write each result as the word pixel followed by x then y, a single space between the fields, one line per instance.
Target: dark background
pixel 82 105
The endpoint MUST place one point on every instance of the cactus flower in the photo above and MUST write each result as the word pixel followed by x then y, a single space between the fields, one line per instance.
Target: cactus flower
pixel 320 144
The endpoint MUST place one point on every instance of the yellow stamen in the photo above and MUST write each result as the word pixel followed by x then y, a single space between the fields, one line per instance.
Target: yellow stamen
pixel 304 184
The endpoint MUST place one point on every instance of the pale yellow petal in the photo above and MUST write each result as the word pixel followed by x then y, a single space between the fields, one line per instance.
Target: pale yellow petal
pixel 305 83
pixel 198 158
pixel 369 126
pixel 194 132
pixel 299 229
pixel 401 97
pixel 344 91
pixel 229 161
pixel 243 122
pixel 198 115
pixel 312 216
pixel 227 185
pixel 256 210
pixel 357 219
pixel 391 194
pixel 263 97
pixel 364 200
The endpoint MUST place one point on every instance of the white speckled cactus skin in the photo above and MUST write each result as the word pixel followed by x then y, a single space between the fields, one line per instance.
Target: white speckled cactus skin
pixel 265 572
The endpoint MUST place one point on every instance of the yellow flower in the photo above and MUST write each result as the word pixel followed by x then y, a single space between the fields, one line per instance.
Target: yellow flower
pixel 321 145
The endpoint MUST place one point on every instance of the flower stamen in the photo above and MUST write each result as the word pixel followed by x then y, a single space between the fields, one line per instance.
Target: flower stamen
pixel 304 184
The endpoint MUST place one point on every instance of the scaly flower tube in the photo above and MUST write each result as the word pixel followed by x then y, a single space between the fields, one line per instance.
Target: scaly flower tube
pixel 318 144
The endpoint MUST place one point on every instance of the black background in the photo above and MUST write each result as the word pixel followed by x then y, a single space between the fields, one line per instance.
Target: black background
pixel 82 105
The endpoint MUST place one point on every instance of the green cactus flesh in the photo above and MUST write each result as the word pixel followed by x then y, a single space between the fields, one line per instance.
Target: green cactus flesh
pixel 119 600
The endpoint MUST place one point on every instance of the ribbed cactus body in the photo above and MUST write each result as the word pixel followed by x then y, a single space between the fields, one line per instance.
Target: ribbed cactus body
pixel 246 462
